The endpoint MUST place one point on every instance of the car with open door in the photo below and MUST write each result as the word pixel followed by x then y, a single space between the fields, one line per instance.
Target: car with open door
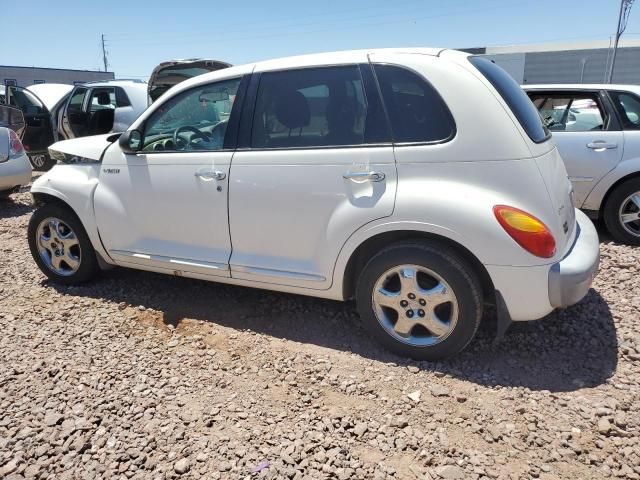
pixel 57 112
pixel 597 129
pixel 39 105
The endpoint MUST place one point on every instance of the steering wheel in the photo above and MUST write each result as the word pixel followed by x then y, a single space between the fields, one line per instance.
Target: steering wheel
pixel 188 128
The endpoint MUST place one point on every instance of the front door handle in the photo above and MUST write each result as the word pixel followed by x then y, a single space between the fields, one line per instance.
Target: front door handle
pixel 601 145
pixel 370 176
pixel 208 176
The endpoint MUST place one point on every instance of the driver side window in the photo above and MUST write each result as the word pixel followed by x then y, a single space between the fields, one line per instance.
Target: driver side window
pixel 194 120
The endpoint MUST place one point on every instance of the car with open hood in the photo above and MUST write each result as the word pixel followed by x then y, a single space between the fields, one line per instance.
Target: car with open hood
pixel 420 182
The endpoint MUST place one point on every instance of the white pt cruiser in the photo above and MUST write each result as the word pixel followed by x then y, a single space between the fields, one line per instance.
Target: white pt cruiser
pixel 420 182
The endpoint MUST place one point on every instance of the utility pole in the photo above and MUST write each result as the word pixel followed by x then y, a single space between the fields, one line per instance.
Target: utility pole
pixel 104 55
pixel 623 17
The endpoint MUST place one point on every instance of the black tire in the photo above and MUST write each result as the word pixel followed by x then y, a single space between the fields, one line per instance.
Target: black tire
pixel 612 209
pixel 47 163
pixel 452 268
pixel 88 267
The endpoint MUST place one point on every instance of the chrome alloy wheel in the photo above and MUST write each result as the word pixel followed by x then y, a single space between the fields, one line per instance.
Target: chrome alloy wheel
pixel 58 246
pixel 415 305
pixel 629 214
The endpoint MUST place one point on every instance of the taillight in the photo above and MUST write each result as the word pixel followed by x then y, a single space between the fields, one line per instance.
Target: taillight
pixel 529 232
pixel 15 145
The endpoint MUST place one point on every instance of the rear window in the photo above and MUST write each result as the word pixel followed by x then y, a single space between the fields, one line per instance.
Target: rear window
pixel 514 96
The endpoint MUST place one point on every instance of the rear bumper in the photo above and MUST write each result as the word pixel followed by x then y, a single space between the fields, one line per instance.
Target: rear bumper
pixel 15 172
pixel 571 278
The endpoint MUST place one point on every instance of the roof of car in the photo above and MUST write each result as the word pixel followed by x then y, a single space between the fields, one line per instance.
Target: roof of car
pixel 581 86
pixel 309 60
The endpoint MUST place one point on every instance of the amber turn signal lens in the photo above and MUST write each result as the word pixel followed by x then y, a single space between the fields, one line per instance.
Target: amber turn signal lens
pixel 529 232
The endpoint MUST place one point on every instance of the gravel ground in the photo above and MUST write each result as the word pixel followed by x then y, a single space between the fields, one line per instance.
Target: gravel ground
pixel 140 375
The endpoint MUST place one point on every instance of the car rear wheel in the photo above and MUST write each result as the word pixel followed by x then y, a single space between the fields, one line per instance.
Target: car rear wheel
pixel 60 246
pixel 420 300
pixel 42 162
pixel 622 212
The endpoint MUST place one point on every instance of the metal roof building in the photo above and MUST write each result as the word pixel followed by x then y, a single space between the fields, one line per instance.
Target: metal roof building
pixel 567 62
pixel 25 76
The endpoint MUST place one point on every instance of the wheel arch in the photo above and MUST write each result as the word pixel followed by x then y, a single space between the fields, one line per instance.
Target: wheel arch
pixel 51 196
pixel 366 249
pixel 610 190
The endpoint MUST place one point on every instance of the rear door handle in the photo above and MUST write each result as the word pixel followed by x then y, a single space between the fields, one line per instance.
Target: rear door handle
pixel 370 176
pixel 601 145
pixel 217 175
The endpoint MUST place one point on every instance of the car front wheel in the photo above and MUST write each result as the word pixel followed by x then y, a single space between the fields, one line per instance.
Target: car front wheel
pixel 622 212
pixel 420 300
pixel 60 246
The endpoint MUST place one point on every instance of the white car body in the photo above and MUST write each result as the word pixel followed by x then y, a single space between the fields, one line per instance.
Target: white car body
pixel 295 220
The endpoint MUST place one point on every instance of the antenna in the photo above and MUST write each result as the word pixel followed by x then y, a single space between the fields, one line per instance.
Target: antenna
pixel 104 55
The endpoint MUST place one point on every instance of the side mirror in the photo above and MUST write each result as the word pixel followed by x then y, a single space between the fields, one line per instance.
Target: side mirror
pixel 131 141
pixel 12 118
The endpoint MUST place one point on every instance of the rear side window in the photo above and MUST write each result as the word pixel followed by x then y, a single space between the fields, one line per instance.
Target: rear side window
pixel 514 96
pixel 416 111
pixel 315 107
pixel 570 112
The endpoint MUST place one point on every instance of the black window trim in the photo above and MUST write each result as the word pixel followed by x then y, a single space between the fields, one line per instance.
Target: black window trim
pixel 231 134
pixel 611 121
pixel 248 112
pixel 507 103
pixel 452 121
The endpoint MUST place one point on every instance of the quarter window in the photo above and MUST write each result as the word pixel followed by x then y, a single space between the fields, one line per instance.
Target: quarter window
pixel 628 106
pixel 416 111
pixel 193 120
pixel 514 97
pixel 315 107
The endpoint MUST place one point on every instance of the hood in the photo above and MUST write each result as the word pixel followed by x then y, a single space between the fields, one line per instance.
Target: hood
pixel 171 73
pixel 50 94
pixel 82 150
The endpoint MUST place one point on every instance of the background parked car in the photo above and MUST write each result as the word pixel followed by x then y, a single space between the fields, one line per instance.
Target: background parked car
pixel 60 112
pixel 597 129
pixel 15 169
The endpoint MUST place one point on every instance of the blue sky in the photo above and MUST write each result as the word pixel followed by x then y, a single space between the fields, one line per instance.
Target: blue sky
pixel 140 34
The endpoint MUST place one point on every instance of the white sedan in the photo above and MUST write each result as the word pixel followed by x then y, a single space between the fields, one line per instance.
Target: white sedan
pixel 597 129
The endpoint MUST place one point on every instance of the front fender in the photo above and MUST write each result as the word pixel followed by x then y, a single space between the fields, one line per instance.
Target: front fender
pixel 597 194
pixel 74 185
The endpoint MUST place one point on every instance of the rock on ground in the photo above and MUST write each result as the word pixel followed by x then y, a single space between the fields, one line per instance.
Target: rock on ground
pixel 139 375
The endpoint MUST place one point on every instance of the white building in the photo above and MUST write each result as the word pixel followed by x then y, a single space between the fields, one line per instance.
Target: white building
pixel 567 62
